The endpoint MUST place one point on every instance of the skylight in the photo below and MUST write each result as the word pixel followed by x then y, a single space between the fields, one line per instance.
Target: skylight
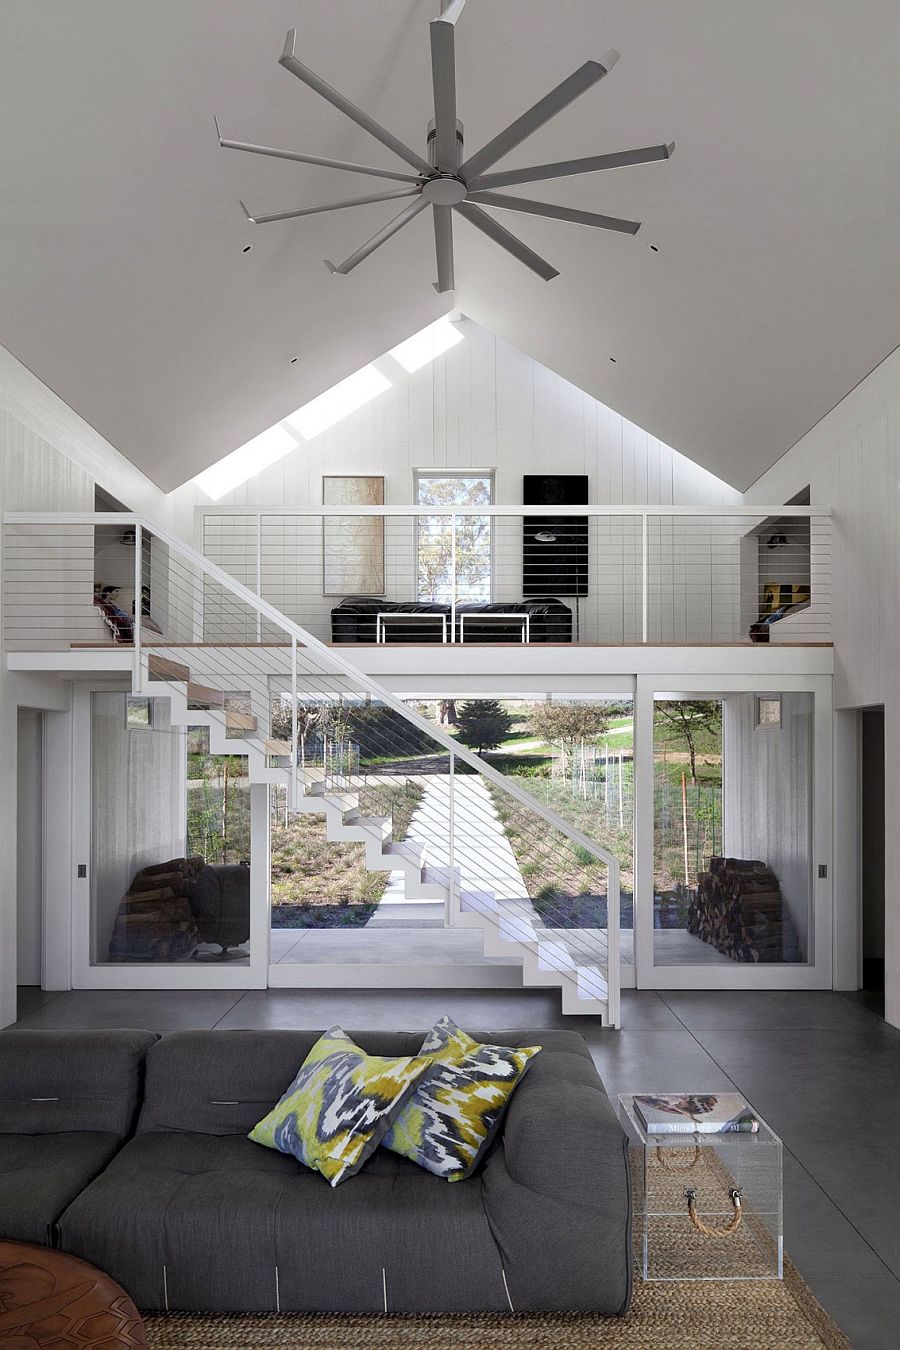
pixel 247 460
pixel 338 402
pixel 427 344
pixel 325 411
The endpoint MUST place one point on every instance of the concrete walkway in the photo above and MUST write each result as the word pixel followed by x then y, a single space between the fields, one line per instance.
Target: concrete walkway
pixel 483 854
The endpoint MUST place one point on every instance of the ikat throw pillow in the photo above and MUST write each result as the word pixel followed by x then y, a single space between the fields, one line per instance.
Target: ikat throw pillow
pixel 339 1107
pixel 457 1104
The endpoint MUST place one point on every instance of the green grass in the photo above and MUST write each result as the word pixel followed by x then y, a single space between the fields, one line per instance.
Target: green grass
pixel 316 883
pixel 554 869
pixel 618 740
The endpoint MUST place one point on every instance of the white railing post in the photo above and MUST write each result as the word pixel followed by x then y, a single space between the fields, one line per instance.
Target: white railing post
pixel 613 969
pixel 258 572
pixel 294 783
pixel 450 904
pixel 136 679
pixel 645 577
pixel 453 537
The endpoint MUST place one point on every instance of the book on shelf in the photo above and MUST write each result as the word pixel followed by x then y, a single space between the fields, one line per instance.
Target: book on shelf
pixel 696 1113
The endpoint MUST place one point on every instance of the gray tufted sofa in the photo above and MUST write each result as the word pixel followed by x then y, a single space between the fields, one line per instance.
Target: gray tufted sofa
pixel 187 1213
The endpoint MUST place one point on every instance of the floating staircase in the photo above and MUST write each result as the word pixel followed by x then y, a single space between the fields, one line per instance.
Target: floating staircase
pixel 205 692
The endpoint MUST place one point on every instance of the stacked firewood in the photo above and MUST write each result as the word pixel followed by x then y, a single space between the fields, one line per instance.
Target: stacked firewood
pixel 155 921
pixel 738 908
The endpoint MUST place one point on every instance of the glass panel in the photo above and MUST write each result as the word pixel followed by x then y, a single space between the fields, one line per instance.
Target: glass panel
pixel 434 574
pixel 577 758
pixel 371 773
pixel 733 813
pixel 171 839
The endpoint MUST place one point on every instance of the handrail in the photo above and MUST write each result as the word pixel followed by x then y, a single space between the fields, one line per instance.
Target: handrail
pixel 415 509
pixel 213 508
pixel 330 655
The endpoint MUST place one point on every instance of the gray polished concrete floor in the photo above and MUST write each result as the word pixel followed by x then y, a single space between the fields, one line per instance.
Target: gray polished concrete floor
pixel 822 1069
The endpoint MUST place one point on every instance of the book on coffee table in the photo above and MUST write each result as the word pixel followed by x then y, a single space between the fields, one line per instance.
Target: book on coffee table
pixel 696 1113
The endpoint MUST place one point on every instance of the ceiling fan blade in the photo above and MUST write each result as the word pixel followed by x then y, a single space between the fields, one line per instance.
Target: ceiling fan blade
pixel 567 168
pixel 542 111
pixel 313 81
pixel 315 159
pixel 531 208
pixel 379 238
pixel 494 230
pixel 330 206
pixel 443 248
pixel 443 76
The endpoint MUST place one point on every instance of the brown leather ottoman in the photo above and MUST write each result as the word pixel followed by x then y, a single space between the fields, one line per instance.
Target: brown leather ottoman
pixel 52 1301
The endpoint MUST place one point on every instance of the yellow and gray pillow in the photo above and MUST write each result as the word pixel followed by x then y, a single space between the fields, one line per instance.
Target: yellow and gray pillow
pixel 340 1105
pixel 457 1103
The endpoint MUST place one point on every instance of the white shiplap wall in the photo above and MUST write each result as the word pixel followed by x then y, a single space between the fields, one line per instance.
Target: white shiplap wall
pixel 486 405
pixel 851 461
pixel 50 459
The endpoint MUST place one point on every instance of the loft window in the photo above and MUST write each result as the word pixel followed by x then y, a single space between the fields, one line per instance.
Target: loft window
pixel 474 537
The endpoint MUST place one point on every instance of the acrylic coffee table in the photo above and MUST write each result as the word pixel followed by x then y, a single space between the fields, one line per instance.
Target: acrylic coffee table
pixel 706 1206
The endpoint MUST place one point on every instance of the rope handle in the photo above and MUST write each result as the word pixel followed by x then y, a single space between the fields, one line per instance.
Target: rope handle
pixel 678 1159
pixel 735 1195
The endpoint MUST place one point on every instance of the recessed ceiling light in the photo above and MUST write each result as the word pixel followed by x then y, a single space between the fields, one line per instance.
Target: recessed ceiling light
pixel 613 359
pixel 653 248
pixel 246 248
pixel 294 360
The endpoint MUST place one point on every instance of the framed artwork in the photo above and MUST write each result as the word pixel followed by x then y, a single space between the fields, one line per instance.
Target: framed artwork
pixel 768 711
pixel 554 548
pixel 353 546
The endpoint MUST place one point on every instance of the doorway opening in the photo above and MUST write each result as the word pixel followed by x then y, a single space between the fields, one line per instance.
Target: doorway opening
pixel 872 860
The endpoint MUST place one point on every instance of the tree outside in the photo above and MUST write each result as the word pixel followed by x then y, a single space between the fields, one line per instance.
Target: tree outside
pixel 697 723
pixel 483 724
pixel 218 802
pixel 435 540
pixel 687 756
pixel 566 726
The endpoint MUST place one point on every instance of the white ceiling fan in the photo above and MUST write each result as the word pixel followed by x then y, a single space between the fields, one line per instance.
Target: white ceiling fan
pixel 446 181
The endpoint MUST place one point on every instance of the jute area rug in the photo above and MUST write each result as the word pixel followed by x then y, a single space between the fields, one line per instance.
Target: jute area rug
pixel 732 1315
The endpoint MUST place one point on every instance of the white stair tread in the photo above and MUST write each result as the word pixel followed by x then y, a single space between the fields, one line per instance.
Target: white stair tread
pixel 414 853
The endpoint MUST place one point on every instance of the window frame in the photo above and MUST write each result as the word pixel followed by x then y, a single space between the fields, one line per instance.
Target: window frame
pixel 491 476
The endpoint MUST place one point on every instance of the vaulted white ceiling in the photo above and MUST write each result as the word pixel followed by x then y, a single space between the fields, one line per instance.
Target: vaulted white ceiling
pixel 123 284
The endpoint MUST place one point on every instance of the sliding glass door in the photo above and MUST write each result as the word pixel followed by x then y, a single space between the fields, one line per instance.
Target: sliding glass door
pixel 733 829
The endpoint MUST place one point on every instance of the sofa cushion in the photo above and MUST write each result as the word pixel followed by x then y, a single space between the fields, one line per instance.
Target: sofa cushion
pixel 222 1082
pixel 457 1105
pixel 339 1106
pixel 215 1223
pixel 40 1174
pixel 59 1081
pixel 355 619
pixel 557 1193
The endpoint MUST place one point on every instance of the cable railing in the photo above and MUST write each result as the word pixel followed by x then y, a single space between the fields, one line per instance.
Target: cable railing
pixel 594 574
pixel 226 657
pixel 436 575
